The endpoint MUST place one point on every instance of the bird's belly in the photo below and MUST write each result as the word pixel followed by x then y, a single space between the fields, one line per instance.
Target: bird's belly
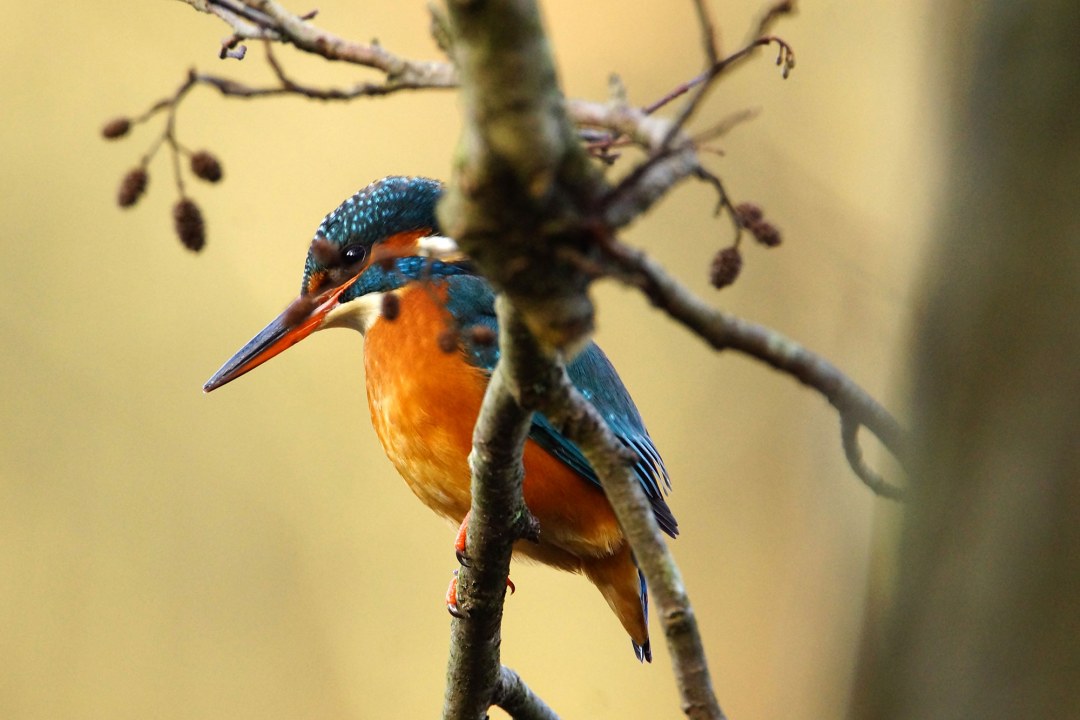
pixel 433 465
pixel 425 428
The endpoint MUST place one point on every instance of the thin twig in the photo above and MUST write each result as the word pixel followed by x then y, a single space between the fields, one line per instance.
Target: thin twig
pixel 581 422
pixel 708 31
pixel 723 201
pixel 724 331
pixel 708 40
pixel 849 436
pixel 773 13
pixel 269 20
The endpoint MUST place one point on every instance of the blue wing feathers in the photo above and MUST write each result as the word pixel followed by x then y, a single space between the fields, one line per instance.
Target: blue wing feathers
pixel 591 371
pixel 643 652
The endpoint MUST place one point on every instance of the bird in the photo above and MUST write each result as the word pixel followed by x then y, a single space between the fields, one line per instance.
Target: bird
pixel 380 264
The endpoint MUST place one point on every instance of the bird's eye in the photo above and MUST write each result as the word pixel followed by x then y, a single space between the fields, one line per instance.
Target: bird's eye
pixel 353 254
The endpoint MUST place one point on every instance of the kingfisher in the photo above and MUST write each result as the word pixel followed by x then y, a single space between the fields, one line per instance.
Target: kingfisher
pixel 380 264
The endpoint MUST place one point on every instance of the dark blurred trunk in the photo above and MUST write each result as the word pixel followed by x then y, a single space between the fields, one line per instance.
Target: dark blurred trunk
pixel 986 618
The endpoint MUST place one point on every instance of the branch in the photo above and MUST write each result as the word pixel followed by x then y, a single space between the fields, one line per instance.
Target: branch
pixel 522 180
pixel 578 420
pixel 498 518
pixel 849 436
pixel 724 331
pixel 268 20
pixel 537 380
pixel 520 206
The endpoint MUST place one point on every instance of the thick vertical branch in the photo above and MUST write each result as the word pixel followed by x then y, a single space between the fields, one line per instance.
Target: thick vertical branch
pixel 475 677
pixel 521 179
pixel 506 206
pixel 521 206
pixel 498 517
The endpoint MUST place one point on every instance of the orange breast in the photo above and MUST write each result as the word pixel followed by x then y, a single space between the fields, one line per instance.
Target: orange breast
pixel 424 403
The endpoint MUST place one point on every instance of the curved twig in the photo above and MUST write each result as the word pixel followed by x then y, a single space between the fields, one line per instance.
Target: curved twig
pixel 849 436
pixel 724 331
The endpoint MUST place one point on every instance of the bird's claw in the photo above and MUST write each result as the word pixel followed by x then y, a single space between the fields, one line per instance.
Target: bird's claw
pixel 451 599
pixel 461 540
pixel 452 606
pixel 459 552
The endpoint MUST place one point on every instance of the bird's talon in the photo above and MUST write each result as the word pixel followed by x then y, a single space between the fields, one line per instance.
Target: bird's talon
pixel 510 585
pixel 451 599
pixel 460 541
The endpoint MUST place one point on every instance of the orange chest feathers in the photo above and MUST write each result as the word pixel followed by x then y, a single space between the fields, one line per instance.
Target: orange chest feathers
pixel 423 400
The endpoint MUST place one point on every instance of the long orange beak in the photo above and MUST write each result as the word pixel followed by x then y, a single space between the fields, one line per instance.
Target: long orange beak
pixel 285 331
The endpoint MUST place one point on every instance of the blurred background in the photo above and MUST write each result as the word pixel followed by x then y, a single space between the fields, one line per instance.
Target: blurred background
pixel 252 554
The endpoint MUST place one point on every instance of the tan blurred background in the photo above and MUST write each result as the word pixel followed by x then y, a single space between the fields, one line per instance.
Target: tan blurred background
pixel 251 554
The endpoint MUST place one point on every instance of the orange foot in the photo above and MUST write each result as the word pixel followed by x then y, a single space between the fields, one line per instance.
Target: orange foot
pixel 459 551
pixel 451 599
pixel 451 596
pixel 460 540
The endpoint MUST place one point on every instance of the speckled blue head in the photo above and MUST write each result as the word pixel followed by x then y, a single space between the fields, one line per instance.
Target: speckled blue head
pixel 344 263
pixel 383 209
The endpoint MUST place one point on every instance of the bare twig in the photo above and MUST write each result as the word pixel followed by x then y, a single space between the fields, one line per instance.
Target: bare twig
pixel 724 331
pixel 849 436
pixel 269 20
pixel 708 31
pixel 723 201
pixel 580 421
pixel 725 125
pixel 713 69
pixel 773 13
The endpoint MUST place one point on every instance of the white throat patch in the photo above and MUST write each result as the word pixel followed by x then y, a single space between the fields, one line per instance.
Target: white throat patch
pixel 358 314
pixel 362 312
pixel 439 247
